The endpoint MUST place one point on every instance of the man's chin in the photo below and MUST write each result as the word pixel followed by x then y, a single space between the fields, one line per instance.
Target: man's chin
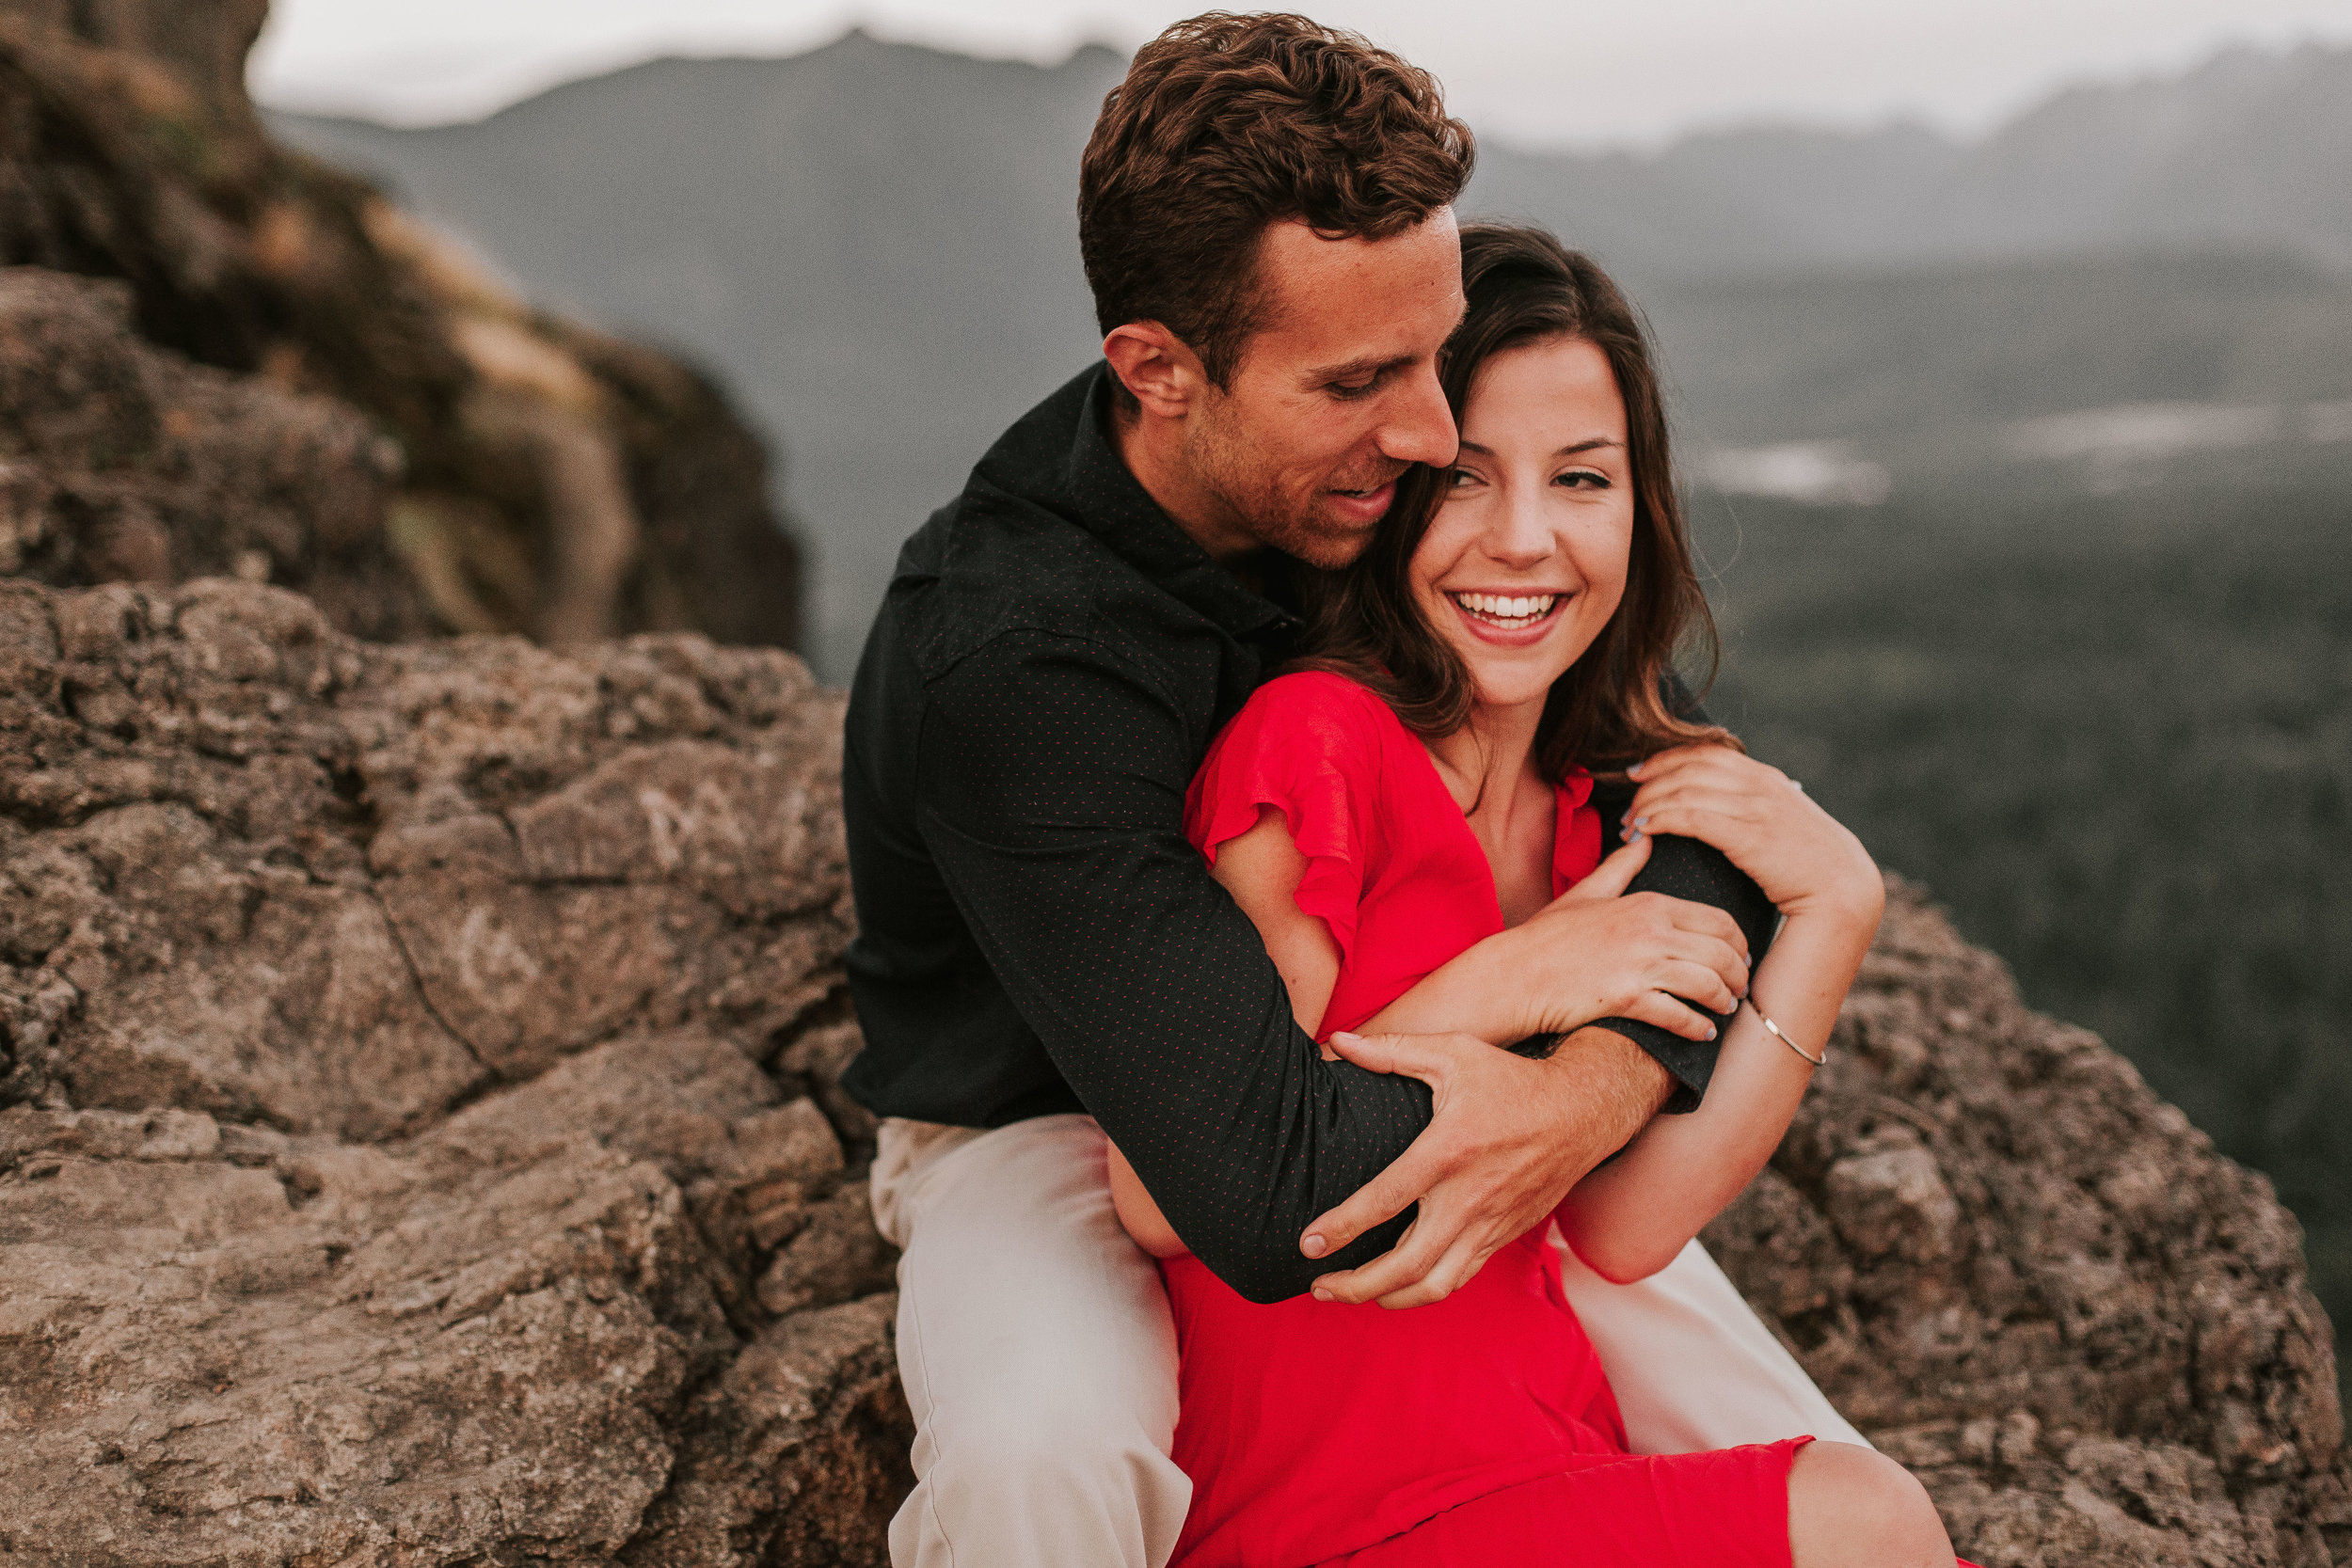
pixel 1328 542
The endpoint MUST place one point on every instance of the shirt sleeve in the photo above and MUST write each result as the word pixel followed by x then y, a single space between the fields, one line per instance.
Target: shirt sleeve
pixel 1686 868
pixel 1051 784
pixel 1297 745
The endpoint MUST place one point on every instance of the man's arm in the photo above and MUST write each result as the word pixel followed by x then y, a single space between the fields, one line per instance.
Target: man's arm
pixel 1051 778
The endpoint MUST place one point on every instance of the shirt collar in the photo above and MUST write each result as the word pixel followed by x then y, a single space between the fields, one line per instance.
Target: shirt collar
pixel 1119 511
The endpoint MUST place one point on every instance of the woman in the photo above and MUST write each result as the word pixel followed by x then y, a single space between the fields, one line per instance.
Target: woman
pixel 1421 782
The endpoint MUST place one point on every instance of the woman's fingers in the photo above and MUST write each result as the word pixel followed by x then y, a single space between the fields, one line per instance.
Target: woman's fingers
pixel 1696 982
pixel 1710 924
pixel 1702 811
pixel 1716 958
pixel 1671 1014
pixel 1613 876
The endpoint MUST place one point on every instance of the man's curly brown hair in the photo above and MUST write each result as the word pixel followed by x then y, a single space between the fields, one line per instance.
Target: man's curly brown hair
pixel 1226 124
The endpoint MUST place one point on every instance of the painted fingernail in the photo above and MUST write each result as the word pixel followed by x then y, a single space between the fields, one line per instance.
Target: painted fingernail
pixel 1635 836
pixel 1711 1031
pixel 1641 822
pixel 1634 771
pixel 1314 1246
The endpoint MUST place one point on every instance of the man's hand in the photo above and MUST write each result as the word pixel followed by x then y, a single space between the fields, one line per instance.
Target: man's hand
pixel 1509 1137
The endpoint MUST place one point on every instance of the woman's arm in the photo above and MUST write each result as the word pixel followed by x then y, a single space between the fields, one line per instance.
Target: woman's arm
pixel 1595 951
pixel 1627 1219
pixel 1262 869
pixel 1589 955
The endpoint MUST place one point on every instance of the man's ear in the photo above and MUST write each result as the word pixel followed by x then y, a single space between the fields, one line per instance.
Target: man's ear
pixel 1154 364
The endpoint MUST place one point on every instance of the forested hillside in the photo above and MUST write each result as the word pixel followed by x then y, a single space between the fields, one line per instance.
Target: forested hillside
pixel 2114 734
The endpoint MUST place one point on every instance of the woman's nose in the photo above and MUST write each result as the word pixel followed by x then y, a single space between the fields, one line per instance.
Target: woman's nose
pixel 1520 536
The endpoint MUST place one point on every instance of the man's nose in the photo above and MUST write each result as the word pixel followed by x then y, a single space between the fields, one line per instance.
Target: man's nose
pixel 1420 426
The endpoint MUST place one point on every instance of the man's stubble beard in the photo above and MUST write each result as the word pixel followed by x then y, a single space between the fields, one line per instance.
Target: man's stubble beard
pixel 1221 451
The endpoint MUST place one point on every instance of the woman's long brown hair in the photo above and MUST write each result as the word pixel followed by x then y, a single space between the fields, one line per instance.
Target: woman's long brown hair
pixel 1611 707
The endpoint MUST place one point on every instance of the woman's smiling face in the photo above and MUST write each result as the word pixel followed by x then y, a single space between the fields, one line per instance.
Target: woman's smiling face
pixel 1525 558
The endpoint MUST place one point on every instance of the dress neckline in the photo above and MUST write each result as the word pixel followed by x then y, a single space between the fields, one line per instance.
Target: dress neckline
pixel 1566 796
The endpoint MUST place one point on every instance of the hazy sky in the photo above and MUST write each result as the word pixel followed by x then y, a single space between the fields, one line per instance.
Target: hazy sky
pixel 1524 68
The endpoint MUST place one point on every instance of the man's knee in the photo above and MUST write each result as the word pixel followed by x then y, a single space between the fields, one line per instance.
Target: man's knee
pixel 1058 1441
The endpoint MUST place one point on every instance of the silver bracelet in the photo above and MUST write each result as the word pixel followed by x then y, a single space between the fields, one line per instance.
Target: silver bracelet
pixel 1822 1060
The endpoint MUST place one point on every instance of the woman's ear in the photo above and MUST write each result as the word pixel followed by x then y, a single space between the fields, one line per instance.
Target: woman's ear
pixel 1152 363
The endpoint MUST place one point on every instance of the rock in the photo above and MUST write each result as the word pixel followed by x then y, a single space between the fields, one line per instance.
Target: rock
pixel 834 1257
pixel 382 1033
pixel 368 416
pixel 2023 1274
pixel 419 1142
pixel 126 463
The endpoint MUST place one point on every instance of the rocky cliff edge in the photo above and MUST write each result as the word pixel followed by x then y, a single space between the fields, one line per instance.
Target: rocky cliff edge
pixel 420 1144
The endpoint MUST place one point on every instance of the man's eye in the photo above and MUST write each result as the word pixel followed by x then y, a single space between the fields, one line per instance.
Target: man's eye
pixel 1353 389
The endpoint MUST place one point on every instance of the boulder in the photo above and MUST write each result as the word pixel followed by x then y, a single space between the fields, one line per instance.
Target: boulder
pixel 390 1170
pixel 467 462
pixel 2035 1283
pixel 420 1143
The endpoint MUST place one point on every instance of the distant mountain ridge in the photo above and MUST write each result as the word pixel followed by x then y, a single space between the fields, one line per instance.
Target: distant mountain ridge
pixel 2248 151
pixel 877 245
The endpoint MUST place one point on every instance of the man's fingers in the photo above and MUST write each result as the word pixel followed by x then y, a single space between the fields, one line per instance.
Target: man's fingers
pixel 1457 1268
pixel 1378 1200
pixel 1416 1252
pixel 1614 875
pixel 1414 1055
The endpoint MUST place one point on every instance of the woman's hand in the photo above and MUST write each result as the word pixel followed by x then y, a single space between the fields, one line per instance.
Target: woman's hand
pixel 1802 856
pixel 1598 952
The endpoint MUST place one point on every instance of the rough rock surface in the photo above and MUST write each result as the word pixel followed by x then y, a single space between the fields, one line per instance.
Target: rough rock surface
pixel 123 462
pixel 529 476
pixel 417 1145
pixel 2037 1284
pixel 407 1155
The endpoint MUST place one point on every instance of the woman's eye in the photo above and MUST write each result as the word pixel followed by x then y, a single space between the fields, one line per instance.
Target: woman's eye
pixel 1584 479
pixel 1458 479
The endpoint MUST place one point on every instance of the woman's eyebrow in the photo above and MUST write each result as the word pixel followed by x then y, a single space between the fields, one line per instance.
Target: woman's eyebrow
pixel 1593 445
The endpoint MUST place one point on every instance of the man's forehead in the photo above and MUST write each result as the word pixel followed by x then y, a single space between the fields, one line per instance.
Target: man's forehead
pixel 1348 299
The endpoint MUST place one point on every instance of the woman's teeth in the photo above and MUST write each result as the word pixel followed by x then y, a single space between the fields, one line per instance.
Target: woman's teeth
pixel 1510 610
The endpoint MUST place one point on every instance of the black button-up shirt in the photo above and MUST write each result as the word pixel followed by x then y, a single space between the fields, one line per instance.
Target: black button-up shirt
pixel 1036 934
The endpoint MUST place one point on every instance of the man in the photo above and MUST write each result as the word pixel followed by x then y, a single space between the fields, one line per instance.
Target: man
pixel 1265 214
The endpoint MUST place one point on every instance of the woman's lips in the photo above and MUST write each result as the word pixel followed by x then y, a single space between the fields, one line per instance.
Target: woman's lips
pixel 1364 506
pixel 1509 631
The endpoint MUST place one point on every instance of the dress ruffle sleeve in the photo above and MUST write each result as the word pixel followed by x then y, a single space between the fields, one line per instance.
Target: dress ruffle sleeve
pixel 1576 843
pixel 1300 745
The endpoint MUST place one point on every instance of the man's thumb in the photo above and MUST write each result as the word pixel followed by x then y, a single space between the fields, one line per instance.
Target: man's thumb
pixel 1373 1053
pixel 1612 877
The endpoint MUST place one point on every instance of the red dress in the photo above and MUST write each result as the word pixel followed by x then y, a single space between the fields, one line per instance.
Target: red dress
pixel 1478 1430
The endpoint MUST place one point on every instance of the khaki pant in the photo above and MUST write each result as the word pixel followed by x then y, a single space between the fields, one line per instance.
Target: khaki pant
pixel 1040 1359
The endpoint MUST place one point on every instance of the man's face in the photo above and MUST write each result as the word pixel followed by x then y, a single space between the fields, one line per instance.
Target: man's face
pixel 1336 394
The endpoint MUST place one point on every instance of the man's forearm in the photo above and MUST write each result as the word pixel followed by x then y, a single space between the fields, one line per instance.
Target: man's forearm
pixel 1626 1086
